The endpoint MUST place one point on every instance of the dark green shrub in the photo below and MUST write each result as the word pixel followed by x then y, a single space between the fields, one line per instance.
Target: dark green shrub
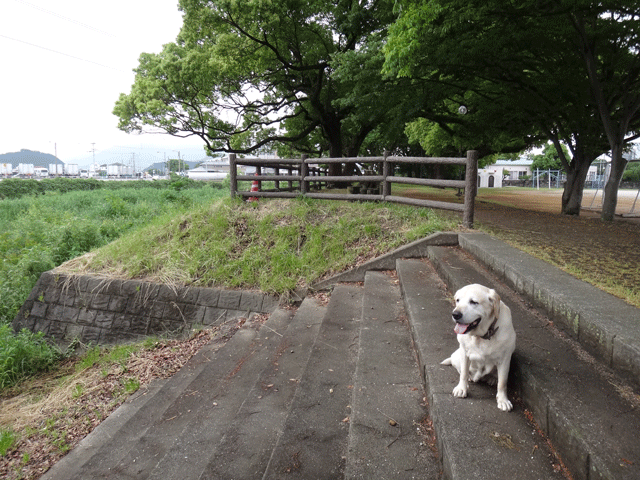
pixel 77 238
pixel 632 172
pixel 24 354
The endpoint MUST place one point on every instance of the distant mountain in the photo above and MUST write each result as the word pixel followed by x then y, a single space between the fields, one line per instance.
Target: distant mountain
pixel 38 159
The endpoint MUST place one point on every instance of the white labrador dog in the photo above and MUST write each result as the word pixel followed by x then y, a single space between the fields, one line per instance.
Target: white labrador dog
pixel 487 340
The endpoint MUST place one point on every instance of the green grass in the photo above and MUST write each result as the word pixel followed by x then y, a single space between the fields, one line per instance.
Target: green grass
pixel 274 246
pixel 23 354
pixel 116 354
pixel 7 439
pixel 185 234
pixel 37 233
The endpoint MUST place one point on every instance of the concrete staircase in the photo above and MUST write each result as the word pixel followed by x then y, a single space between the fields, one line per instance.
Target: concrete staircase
pixel 354 389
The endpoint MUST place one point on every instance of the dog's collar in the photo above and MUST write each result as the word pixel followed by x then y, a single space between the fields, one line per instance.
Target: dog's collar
pixel 492 330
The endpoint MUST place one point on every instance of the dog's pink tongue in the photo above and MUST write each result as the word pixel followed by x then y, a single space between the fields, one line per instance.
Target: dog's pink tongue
pixel 460 328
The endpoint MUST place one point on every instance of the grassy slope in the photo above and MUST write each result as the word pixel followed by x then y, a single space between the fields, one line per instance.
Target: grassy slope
pixel 271 245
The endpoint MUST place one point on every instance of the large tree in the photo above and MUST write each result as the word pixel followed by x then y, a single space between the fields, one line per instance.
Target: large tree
pixel 299 74
pixel 607 36
pixel 527 52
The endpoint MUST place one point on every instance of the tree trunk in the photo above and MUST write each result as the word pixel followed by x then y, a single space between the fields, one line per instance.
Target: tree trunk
pixel 610 201
pixel 574 188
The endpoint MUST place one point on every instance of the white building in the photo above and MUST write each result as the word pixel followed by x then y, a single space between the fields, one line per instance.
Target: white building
pixel 119 170
pixel 210 169
pixel 492 175
pixel 216 169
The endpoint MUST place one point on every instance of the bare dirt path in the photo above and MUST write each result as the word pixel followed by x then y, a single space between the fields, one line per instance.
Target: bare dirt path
pixel 604 253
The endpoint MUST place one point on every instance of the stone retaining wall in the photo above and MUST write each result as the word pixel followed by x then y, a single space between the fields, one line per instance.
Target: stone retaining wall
pixel 101 310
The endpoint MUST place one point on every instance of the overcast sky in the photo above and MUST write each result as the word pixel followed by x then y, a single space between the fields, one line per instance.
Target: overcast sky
pixel 64 64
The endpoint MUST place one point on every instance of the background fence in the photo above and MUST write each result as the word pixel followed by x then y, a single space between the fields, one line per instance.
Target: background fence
pixel 308 176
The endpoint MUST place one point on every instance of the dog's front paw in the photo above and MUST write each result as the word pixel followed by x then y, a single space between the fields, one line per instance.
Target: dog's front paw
pixel 504 404
pixel 460 391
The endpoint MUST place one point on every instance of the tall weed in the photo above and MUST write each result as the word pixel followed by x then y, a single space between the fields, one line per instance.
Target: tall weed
pixel 23 355
pixel 40 232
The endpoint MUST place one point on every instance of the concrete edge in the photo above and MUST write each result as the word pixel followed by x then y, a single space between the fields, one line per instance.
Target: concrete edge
pixel 415 249
pixel 606 326
pixel 90 444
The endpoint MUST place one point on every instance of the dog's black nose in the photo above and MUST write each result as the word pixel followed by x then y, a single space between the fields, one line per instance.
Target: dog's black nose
pixel 456 315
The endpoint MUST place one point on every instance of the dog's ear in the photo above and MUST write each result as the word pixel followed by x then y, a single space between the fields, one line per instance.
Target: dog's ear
pixel 494 298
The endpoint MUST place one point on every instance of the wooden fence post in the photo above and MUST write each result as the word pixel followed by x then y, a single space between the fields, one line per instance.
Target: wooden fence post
pixel 387 171
pixel 471 181
pixel 233 175
pixel 258 174
pixel 304 171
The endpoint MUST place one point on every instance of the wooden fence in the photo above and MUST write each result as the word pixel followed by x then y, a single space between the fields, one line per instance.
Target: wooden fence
pixel 303 176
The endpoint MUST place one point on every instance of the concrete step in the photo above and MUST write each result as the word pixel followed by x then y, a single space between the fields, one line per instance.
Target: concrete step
pixel 387 409
pixel 313 443
pixel 606 326
pixel 131 445
pixel 475 439
pixel 248 443
pixel 587 410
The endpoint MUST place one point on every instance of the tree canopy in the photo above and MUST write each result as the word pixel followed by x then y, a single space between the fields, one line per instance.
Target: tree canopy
pixel 549 158
pixel 568 68
pixel 349 77
pixel 300 75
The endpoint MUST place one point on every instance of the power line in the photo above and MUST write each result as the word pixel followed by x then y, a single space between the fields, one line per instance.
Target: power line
pixel 62 53
pixel 37 7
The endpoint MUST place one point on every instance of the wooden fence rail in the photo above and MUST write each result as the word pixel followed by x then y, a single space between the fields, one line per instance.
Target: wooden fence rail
pixel 303 177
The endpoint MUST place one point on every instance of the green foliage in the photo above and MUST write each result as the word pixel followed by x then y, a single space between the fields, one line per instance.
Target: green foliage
pixel 176 165
pixel 14 188
pixel 24 354
pixel 90 358
pixel 107 355
pixel 632 172
pixel 37 233
pixel 567 71
pixel 306 75
pixel 549 158
pixel 274 246
pixel 7 439
pixel 131 385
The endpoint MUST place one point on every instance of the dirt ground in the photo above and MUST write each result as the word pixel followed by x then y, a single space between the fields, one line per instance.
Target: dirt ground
pixel 605 254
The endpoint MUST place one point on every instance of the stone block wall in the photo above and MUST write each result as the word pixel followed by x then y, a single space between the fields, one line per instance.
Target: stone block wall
pixel 101 310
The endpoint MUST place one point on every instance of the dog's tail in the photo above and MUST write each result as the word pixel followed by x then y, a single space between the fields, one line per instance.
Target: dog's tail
pixel 446 362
